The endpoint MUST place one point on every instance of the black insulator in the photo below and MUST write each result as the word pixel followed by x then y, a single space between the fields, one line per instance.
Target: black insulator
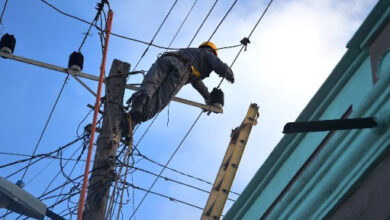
pixel 76 61
pixel 217 96
pixel 245 41
pixel 7 43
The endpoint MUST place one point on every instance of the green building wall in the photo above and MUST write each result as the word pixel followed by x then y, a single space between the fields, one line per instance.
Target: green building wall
pixel 308 175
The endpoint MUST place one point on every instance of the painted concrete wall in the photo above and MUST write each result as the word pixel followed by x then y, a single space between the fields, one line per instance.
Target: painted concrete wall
pixel 300 180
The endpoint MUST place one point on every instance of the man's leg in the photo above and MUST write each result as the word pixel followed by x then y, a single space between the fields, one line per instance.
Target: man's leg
pixel 150 84
pixel 171 85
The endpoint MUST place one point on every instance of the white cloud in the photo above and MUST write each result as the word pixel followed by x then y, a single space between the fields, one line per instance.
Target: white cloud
pixel 293 51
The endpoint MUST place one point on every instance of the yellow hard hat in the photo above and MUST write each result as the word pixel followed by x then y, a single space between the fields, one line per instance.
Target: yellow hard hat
pixel 210 45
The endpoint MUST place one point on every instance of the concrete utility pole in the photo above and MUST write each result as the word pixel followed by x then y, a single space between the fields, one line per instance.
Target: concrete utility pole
pixel 229 166
pixel 103 173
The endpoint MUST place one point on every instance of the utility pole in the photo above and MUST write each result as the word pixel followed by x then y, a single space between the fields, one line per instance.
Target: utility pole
pixel 103 173
pixel 227 171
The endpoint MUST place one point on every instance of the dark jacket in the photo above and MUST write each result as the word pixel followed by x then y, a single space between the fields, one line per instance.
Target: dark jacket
pixel 205 61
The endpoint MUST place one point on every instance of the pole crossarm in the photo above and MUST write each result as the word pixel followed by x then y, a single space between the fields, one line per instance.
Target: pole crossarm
pixel 77 74
pixel 227 171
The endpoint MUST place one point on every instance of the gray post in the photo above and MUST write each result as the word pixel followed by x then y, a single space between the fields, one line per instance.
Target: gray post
pixel 103 173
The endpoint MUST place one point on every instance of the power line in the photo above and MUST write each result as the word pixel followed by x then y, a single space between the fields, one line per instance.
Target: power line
pixel 2 13
pixel 231 7
pixel 261 17
pixel 120 35
pixel 58 173
pixel 47 123
pixel 169 160
pixel 155 35
pixel 173 39
pixel 41 156
pixel 175 181
pixel 204 20
pixel 250 34
pixel 199 113
pixel 184 21
pixel 149 44
pixel 179 172
pixel 161 195
pixel 99 9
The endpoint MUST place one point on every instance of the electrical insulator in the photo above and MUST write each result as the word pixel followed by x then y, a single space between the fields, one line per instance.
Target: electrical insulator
pixel 7 43
pixel 217 98
pixel 20 183
pixel 76 61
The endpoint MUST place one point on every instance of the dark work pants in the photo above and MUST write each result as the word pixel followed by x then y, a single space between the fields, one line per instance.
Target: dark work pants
pixel 162 82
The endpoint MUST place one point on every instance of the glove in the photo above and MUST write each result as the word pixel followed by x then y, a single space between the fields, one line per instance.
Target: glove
pixel 230 79
pixel 229 76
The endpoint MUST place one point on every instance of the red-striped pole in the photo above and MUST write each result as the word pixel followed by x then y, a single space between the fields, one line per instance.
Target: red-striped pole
pixel 95 114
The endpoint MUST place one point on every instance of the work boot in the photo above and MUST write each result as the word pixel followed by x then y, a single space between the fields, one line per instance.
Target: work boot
pixel 138 100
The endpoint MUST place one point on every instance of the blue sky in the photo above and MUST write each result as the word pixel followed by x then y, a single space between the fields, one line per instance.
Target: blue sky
pixel 292 52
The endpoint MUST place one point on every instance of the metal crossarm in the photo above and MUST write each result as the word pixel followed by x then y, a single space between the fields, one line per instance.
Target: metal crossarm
pixel 77 74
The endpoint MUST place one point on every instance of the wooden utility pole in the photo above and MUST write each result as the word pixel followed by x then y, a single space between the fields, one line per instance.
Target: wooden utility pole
pixel 228 169
pixel 103 173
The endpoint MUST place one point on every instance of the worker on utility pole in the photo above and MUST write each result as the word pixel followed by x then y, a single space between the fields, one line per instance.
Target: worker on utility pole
pixel 170 73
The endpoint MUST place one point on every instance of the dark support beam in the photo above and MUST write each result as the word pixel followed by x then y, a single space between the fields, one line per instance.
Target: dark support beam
pixel 329 125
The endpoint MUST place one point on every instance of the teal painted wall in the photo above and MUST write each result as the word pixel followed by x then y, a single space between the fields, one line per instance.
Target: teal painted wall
pixel 345 158
pixel 353 92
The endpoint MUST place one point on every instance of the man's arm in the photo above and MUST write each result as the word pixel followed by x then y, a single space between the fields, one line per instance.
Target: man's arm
pixel 219 67
pixel 202 89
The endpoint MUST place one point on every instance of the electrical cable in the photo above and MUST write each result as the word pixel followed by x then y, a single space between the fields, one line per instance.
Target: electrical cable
pixel 219 24
pixel 149 44
pixel 184 21
pixel 99 9
pixel 204 20
pixel 179 172
pixel 169 160
pixel 47 166
pixel 175 181
pixel 250 34
pixel 2 12
pixel 155 35
pixel 123 36
pixel 162 195
pixel 47 123
pixel 199 113
pixel 43 155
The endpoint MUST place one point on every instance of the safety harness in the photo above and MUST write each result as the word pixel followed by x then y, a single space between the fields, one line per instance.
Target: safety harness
pixel 185 60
